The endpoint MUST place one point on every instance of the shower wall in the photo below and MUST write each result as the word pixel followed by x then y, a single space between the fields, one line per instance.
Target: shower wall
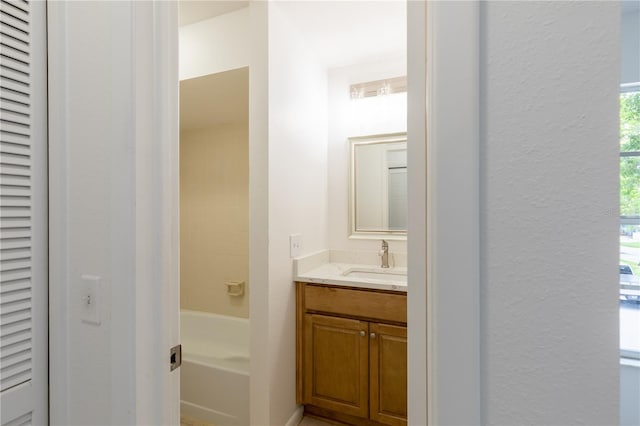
pixel 214 218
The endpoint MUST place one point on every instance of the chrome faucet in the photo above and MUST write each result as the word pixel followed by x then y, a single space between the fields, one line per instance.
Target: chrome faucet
pixel 384 254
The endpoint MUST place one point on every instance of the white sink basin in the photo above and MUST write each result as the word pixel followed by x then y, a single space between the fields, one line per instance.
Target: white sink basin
pixel 383 274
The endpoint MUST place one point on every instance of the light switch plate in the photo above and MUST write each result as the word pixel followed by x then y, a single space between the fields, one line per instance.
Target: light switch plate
pixel 295 245
pixel 90 299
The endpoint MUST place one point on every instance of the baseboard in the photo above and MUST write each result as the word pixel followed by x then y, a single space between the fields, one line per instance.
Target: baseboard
pixel 295 417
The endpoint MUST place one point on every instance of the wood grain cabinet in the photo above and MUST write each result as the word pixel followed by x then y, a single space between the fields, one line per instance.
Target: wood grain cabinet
pixel 388 374
pixel 352 354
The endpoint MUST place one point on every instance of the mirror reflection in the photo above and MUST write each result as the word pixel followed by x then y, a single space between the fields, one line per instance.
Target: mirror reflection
pixel 378 199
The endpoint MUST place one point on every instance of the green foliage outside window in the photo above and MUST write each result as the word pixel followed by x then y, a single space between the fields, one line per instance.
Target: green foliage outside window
pixel 630 166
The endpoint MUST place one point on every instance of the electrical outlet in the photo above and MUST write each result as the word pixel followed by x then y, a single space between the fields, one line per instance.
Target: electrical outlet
pixel 295 245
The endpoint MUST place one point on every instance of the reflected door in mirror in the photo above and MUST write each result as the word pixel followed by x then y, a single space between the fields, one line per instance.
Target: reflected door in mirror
pixel 378 201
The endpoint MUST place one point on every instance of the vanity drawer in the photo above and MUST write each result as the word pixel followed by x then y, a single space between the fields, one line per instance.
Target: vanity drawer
pixel 370 304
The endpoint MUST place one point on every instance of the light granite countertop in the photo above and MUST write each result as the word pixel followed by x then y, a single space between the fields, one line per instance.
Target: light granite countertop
pixel 319 268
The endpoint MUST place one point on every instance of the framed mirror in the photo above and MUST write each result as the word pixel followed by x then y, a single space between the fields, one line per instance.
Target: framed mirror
pixel 378 187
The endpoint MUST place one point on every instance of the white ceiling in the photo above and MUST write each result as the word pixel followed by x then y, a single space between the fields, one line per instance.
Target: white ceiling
pixel 344 33
pixel 192 11
pixel 214 99
pixel 340 32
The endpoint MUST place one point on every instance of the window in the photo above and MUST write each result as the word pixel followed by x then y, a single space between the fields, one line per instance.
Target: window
pixel 630 220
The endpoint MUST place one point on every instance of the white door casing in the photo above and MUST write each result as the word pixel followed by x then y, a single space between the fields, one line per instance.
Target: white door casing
pixel 113 101
pixel 23 214
pixel 443 308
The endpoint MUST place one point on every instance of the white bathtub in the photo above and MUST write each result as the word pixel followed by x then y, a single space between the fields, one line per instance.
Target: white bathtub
pixel 214 384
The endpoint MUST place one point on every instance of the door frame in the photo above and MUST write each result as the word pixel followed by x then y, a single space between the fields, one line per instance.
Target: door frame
pixel 443 312
pixel 443 307
pixel 116 371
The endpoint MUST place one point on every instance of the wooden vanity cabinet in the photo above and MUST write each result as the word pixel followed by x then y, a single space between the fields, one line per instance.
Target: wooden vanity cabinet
pixel 336 364
pixel 388 374
pixel 352 354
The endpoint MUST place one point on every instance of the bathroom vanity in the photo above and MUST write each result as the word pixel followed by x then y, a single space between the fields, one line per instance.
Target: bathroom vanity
pixel 351 349
pixel 351 306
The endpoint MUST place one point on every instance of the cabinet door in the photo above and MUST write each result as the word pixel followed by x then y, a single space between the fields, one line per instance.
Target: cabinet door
pixel 388 361
pixel 336 367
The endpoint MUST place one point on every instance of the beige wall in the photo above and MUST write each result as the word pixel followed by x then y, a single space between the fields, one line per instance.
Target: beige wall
pixel 214 209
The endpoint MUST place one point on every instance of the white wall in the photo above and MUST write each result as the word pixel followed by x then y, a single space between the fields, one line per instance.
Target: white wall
pixel 630 36
pixel 113 215
pixel 214 45
pixel 549 203
pixel 297 193
pixel 360 117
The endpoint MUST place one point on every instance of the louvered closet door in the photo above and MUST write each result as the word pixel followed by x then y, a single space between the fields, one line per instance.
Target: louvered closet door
pixel 23 213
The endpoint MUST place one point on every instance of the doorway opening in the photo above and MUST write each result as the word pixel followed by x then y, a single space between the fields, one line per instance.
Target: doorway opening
pixel 214 213
pixel 300 165
pixel 214 248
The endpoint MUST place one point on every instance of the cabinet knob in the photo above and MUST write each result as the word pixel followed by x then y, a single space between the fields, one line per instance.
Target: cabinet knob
pixel 362 333
pixel 372 335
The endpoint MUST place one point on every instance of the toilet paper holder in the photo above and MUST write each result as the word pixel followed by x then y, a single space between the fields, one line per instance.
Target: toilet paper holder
pixel 235 288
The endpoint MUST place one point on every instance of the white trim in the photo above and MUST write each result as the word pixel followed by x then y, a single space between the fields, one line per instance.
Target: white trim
pixel 295 417
pixel 140 321
pixel 58 216
pixel 39 215
pixel 157 209
pixel 259 400
pixel 452 300
pixel 417 231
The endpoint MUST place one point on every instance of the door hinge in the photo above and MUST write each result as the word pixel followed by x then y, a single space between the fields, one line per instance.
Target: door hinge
pixel 175 357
